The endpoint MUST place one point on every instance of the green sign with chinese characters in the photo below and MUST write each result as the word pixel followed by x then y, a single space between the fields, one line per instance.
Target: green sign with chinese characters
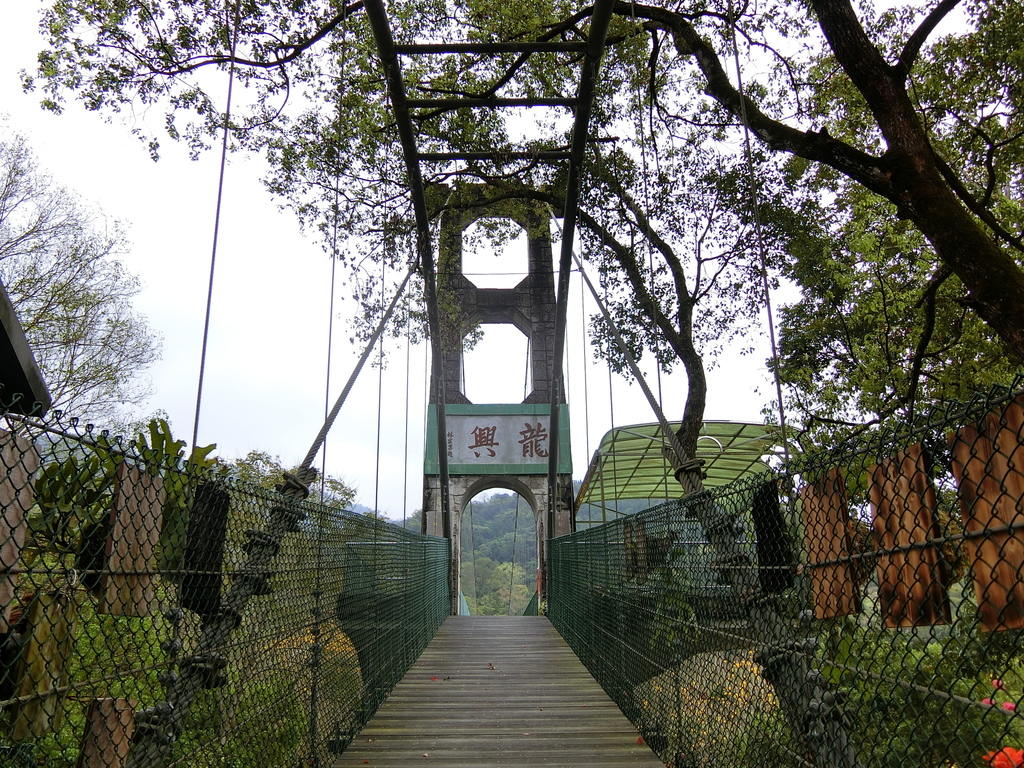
pixel 498 440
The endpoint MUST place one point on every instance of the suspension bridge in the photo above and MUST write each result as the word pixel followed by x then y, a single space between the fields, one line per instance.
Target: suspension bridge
pixel 803 612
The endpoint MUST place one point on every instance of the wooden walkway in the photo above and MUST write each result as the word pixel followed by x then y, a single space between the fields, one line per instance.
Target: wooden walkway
pixel 498 691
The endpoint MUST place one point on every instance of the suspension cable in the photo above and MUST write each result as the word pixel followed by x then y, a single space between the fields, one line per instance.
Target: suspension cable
pixel 330 334
pixel 585 362
pixel 178 593
pixel 647 200
pixel 650 248
pixel 307 462
pixel 583 353
pixel 380 403
pixel 334 265
pixel 327 378
pixel 755 204
pixel 425 421
pixel 405 449
pixel 216 226
pixel 526 373
pixel 671 439
pixel 472 548
pixel 512 570
pixel 611 393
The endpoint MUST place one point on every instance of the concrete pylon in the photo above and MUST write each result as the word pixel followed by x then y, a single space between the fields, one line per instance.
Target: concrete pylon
pixel 497 445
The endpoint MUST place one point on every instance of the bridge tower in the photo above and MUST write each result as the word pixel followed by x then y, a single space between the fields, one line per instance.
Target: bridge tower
pixel 498 445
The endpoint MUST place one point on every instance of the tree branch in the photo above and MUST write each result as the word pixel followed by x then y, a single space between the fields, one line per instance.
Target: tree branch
pixel 917 362
pixel 682 291
pixel 191 65
pixel 819 146
pixel 974 206
pixel 912 48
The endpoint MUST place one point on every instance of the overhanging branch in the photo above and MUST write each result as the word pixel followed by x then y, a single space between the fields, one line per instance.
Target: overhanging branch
pixel 818 146
pixel 912 48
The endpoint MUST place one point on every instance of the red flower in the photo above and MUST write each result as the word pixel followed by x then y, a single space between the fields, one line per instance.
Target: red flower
pixel 1007 757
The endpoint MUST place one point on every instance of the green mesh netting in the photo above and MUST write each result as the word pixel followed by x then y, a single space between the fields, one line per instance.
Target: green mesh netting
pixel 122 627
pixel 861 607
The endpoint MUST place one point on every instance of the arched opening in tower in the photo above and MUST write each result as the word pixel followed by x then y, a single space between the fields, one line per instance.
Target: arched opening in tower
pixel 498 554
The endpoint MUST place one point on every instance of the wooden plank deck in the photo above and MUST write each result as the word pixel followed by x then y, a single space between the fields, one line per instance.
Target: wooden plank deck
pixel 498 691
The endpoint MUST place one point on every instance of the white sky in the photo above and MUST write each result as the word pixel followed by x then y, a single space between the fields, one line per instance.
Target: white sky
pixel 265 372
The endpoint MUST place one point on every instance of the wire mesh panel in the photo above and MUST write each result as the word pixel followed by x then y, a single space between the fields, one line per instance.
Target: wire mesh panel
pixel 861 607
pixel 152 613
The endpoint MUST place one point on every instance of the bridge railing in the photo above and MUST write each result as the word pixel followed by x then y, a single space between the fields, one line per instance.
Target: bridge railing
pixel 115 562
pixel 863 606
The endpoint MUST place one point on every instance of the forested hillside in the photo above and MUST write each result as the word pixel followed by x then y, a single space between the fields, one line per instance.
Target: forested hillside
pixel 499 555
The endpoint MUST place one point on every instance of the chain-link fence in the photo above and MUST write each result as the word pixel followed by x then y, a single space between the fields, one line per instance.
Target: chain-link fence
pixel 861 607
pixel 153 612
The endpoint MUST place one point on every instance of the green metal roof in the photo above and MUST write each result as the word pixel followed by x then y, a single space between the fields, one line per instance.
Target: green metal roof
pixel 632 463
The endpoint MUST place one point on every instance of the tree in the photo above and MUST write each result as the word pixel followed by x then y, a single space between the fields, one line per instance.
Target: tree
pixel 875 338
pixel 73 297
pixel 883 328
pixel 339 172
pixel 853 103
pixel 893 153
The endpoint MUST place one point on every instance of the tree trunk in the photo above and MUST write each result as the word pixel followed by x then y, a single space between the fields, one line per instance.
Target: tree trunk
pixel 696 400
pixel 994 281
